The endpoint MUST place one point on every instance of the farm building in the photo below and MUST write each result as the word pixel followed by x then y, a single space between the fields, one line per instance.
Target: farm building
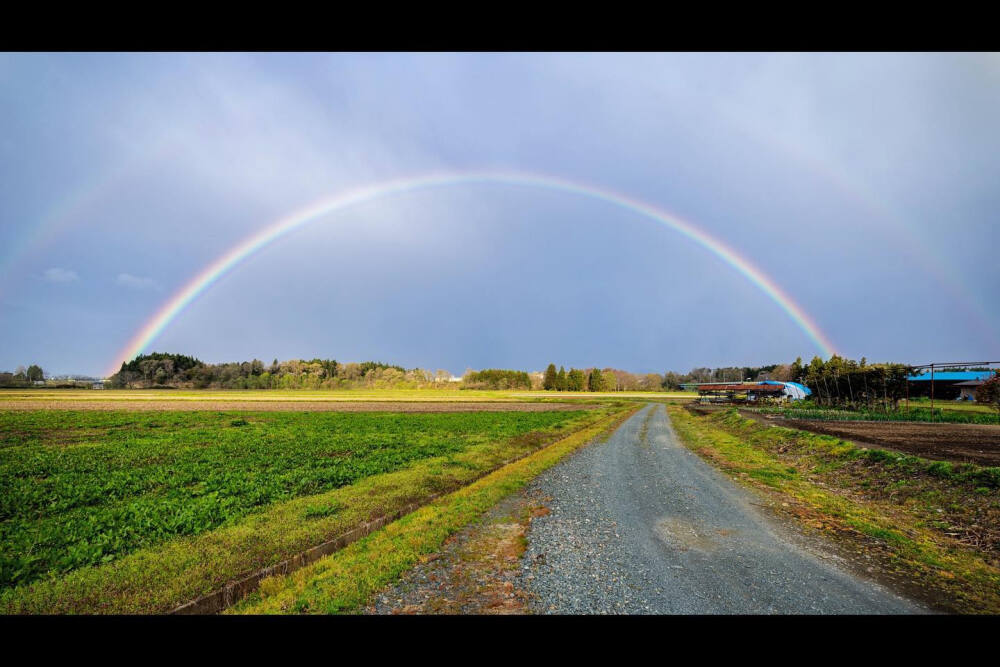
pixel 739 392
pixel 948 385
pixel 968 389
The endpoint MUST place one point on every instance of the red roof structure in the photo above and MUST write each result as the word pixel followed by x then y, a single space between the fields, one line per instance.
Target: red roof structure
pixel 744 386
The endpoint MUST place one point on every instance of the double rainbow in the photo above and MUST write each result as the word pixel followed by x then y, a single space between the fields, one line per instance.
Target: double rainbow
pixel 252 244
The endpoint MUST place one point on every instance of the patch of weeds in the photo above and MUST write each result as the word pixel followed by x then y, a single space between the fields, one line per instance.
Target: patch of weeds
pixel 326 509
pixel 941 469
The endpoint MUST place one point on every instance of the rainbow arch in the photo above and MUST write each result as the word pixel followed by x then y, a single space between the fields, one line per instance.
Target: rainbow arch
pixel 177 302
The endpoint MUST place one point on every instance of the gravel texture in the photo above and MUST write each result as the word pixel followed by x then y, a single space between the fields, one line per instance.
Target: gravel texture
pixel 475 572
pixel 640 525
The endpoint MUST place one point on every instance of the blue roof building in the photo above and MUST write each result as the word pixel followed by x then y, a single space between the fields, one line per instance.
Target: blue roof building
pixel 951 376
pixel 958 385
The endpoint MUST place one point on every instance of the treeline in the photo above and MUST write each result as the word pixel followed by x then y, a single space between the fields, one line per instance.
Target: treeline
pixel 22 377
pixel 835 382
pixel 851 384
pixel 158 370
pixel 599 379
pixel 614 379
pixel 493 378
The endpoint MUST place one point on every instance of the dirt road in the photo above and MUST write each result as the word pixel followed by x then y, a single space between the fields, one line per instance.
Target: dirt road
pixel 640 524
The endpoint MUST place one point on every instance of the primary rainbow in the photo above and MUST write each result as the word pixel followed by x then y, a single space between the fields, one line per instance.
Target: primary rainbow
pixel 223 264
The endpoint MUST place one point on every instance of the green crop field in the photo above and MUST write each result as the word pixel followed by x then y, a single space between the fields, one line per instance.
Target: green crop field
pixel 83 489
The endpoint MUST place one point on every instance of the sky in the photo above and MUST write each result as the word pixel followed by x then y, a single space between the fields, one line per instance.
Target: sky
pixel 862 185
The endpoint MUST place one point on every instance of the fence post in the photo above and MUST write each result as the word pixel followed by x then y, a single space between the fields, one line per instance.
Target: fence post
pixel 932 392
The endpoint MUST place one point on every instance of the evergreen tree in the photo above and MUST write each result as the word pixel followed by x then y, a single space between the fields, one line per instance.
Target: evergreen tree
pixel 797 370
pixel 597 382
pixel 561 379
pixel 551 378
pixel 576 380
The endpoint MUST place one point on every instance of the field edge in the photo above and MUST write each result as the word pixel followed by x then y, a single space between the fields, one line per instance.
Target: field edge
pixel 161 578
pixel 906 553
pixel 347 580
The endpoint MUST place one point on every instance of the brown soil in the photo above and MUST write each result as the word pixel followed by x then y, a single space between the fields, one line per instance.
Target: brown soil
pixel 294 406
pixel 960 443
pixel 963 443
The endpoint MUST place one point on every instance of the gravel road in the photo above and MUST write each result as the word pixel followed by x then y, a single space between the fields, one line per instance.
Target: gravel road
pixel 640 524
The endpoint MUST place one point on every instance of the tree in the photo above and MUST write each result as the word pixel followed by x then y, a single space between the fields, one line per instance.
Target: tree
pixel 495 378
pixel 597 382
pixel 576 380
pixel 796 372
pixel 700 375
pixel 650 382
pixel 672 381
pixel 551 378
pixel 988 393
pixel 781 373
pixel 610 380
pixel 561 379
pixel 35 373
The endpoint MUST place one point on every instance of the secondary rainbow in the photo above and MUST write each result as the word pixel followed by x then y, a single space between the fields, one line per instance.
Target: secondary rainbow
pixel 250 245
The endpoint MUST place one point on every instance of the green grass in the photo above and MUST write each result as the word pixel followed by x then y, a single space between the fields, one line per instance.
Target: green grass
pixel 933 523
pixel 347 580
pixel 86 488
pixel 160 577
pixel 950 405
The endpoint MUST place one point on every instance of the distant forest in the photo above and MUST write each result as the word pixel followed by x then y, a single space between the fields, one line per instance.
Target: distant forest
pixel 177 370
pixel 160 370
pixel 837 381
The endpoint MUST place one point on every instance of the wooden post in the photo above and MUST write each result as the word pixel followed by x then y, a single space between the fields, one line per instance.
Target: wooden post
pixel 932 392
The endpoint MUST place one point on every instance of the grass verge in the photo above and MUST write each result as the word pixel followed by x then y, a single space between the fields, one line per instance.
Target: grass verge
pixel 158 579
pixel 959 414
pixel 348 579
pixel 928 526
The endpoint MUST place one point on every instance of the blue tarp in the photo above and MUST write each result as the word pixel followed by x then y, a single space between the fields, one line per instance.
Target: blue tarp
pixel 801 387
pixel 805 390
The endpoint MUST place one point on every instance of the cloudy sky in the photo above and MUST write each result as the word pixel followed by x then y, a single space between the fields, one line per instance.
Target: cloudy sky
pixel 864 185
